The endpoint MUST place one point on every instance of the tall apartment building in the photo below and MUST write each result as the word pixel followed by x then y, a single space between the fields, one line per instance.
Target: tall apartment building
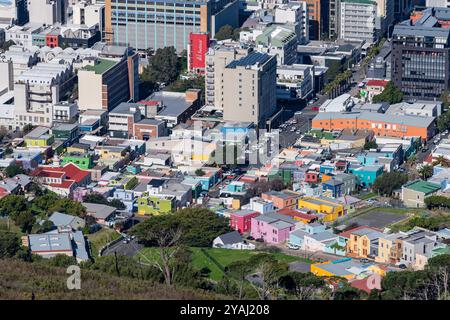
pixel 294 15
pixel 249 89
pixel 144 24
pixel 46 12
pixel 402 9
pixel 318 18
pixel 13 12
pixel 109 79
pixel 217 59
pixel 385 16
pixel 333 18
pixel 38 89
pixel 421 56
pixel 357 20
pixel 84 13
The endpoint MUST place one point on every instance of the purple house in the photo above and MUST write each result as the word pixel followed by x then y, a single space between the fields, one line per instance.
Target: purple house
pixel 272 227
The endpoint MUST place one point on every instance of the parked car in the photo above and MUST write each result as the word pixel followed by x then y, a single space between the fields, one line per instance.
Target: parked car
pixel 364 260
pixel 259 240
pixel 401 265
pixel 250 238
pixel 293 246
pixel 315 108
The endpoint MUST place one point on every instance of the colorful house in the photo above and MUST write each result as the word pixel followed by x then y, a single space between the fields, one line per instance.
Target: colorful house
pixel 39 137
pixel 241 220
pixel 330 208
pixel 272 227
pixel 345 268
pixel 281 199
pixel 368 174
pixel 82 160
pixel 155 205
pixel 362 241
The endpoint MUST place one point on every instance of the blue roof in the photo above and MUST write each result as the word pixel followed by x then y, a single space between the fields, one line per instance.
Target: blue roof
pixel 250 60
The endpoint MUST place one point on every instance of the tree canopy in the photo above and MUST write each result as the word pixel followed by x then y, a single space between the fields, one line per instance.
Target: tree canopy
pixel 198 227
pixel 391 94
pixel 163 67
pixel 389 181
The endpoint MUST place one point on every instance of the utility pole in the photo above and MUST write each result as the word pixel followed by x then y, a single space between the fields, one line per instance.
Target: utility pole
pixel 116 263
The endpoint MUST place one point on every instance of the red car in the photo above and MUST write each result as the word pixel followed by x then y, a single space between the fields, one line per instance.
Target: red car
pixel 315 108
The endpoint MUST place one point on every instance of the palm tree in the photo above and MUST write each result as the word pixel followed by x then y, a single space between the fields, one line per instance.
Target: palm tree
pixel 426 171
pixel 441 161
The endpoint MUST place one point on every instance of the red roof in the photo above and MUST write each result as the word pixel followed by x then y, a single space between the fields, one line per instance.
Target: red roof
pixel 377 83
pixel 367 284
pixel 294 213
pixel 66 184
pixel 149 102
pixel 72 172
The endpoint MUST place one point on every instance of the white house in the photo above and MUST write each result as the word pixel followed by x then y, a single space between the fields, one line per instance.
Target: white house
pixel 232 240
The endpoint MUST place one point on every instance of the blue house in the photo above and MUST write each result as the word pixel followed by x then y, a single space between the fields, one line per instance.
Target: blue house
pixel 127 197
pixel 333 186
pixel 366 175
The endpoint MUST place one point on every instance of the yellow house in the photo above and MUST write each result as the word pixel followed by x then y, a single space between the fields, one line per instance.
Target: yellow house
pixel 361 240
pixel 330 208
pixel 389 249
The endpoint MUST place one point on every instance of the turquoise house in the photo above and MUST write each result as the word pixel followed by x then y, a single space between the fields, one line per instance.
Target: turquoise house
pixel 366 175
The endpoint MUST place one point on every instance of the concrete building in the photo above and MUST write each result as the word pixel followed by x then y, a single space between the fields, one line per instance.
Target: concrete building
pixel 295 81
pixel 109 79
pixel 217 58
pixel 38 89
pixel 294 14
pixel 317 11
pixel 249 89
pixel 166 23
pixel 46 12
pixel 421 54
pixel 13 12
pixel 357 20
pixel 279 41
pixel 122 119
pixel 84 13
pixel 415 192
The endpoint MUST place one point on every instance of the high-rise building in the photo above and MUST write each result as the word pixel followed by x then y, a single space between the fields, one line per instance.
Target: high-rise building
pixel 217 58
pixel 144 24
pixel 46 12
pixel 421 55
pixel 318 15
pixel 357 20
pixel 294 16
pixel 13 12
pixel 109 79
pixel 249 89
pixel 333 18
pixel 280 42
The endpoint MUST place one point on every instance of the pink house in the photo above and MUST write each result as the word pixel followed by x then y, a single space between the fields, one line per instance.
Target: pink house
pixel 272 227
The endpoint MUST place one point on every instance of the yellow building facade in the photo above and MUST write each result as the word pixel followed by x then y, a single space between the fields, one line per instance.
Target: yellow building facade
pixel 331 209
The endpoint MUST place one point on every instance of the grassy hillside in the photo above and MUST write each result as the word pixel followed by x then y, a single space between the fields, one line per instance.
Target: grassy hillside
pixel 19 279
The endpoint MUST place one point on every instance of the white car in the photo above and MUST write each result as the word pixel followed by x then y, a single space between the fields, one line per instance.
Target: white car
pixel 293 246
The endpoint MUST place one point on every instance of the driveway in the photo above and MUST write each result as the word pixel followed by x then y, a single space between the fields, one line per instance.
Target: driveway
pixel 377 219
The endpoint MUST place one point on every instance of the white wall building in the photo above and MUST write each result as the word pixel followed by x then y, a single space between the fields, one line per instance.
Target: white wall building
pixel 295 81
pixel 357 20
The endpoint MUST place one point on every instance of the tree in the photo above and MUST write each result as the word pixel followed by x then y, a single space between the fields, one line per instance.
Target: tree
pixel 238 271
pixel 69 206
pixel 443 121
pixel 46 201
pixel 386 183
pixel 7 44
pixel 163 66
pixel 9 245
pixel 199 227
pixel 391 94
pixel 426 171
pixel 46 226
pixel 302 285
pixel 441 161
pixel 199 172
pixel 437 202
pixel 116 203
pixel 370 145
pixel 24 220
pixel 95 197
pixel 13 169
pixel 269 271
pixel 12 205
pixel 27 128
pixel 225 32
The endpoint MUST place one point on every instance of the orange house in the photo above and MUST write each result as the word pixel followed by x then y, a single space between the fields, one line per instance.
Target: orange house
pixel 381 124
pixel 281 199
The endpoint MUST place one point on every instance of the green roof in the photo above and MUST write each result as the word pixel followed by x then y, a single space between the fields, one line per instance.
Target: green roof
pixel 100 66
pixel 423 186
pixel 276 36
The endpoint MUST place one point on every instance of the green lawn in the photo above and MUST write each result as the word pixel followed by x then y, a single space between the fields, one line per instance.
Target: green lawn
pixel 368 196
pixel 216 259
pixel 11 228
pixel 101 238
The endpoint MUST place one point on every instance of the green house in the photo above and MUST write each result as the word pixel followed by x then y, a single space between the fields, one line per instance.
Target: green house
pixel 155 205
pixel 81 160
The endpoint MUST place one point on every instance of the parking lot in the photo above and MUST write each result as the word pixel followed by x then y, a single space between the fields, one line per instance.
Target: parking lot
pixel 378 218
